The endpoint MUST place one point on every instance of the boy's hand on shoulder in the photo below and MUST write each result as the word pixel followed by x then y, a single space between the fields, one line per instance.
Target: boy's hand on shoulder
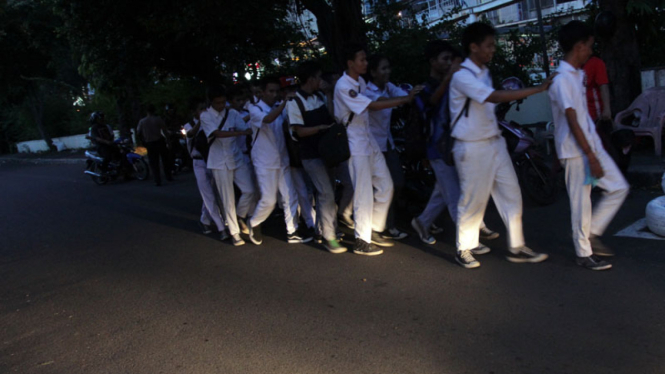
pixel 456 66
pixel 415 91
pixel 548 82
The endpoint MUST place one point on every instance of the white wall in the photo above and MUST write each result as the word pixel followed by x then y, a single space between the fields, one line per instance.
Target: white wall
pixel 62 143
pixel 535 108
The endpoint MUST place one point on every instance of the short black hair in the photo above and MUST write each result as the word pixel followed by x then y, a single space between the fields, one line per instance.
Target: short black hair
pixel 374 60
pixel 572 33
pixel 351 49
pixel 269 80
pixel 476 33
pixel 308 69
pixel 195 101
pixel 215 92
pixel 235 91
pixel 436 47
pixel 150 108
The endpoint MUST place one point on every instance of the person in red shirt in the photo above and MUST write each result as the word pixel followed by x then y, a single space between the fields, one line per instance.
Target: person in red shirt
pixel 597 89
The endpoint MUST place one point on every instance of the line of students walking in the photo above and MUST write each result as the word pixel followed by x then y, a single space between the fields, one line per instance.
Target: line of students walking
pixel 459 99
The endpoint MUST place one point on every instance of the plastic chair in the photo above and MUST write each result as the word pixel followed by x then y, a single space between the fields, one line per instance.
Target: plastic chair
pixel 648 116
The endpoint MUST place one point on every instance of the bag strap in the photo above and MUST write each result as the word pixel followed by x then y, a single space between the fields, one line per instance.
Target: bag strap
pixel 221 124
pixel 259 130
pixel 350 119
pixel 465 110
pixel 301 106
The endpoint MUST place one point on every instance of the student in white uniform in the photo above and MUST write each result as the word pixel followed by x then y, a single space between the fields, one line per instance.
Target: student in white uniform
pixel 372 185
pixel 226 160
pixel 379 87
pixel 301 182
pixel 238 101
pixel 581 151
pixel 308 122
pixel 481 157
pixel 210 212
pixel 271 165
pixel 444 61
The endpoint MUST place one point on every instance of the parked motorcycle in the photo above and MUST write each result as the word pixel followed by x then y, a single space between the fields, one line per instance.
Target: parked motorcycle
pixel 535 177
pixel 135 167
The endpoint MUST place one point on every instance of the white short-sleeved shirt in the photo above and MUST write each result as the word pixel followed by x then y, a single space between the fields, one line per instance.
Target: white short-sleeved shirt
pixel 476 83
pixel 269 147
pixel 350 97
pixel 242 140
pixel 224 152
pixel 379 120
pixel 568 91
pixel 190 147
pixel 310 102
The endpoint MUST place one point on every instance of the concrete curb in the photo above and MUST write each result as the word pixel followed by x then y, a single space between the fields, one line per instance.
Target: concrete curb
pixel 43 161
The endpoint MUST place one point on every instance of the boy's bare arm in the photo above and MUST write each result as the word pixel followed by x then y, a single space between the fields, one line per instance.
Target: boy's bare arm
pixel 594 164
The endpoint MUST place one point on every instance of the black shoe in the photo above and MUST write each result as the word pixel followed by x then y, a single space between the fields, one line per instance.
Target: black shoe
pixel 481 249
pixel 366 249
pixel 223 235
pixel 424 236
pixel 525 254
pixel 466 259
pixel 380 241
pixel 599 248
pixel 243 226
pixel 255 235
pixel 318 238
pixel 487 234
pixel 297 237
pixel 237 240
pixel 346 222
pixel 593 263
pixel 394 234
pixel 205 229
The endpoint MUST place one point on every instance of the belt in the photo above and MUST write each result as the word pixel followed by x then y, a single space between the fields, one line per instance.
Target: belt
pixel 197 158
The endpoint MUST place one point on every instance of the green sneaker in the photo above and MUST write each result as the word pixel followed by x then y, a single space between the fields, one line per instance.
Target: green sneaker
pixel 333 246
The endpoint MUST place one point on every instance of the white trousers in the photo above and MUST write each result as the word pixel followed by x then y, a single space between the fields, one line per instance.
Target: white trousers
pixel 446 193
pixel 271 182
pixel 242 177
pixel 586 223
pixel 345 207
pixel 304 197
pixel 373 192
pixel 485 169
pixel 326 210
pixel 210 210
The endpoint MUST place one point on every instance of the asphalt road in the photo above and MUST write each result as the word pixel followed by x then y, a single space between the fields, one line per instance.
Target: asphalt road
pixel 118 279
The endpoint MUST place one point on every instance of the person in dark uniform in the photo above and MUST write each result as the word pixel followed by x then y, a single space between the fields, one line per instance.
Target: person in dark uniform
pixel 101 136
pixel 151 132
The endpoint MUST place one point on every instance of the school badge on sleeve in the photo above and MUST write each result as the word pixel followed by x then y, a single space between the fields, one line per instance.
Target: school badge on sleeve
pixel 353 94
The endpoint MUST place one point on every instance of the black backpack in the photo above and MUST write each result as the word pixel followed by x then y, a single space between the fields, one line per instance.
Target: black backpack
pixel 202 143
pixel 417 130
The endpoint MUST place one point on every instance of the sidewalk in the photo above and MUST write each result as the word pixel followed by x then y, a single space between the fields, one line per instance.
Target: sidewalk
pixel 45 158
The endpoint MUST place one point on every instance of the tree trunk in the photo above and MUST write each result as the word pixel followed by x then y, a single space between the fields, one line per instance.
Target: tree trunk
pixel 37 109
pixel 129 109
pixel 338 24
pixel 622 57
